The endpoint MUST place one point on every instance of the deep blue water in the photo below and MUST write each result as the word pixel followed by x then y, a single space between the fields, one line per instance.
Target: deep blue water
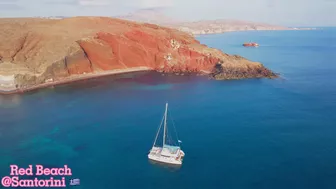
pixel 255 133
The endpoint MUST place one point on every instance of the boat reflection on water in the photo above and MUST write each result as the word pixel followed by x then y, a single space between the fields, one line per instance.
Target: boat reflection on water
pixel 170 167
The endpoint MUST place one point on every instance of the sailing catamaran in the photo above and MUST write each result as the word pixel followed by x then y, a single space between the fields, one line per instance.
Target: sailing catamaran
pixel 169 154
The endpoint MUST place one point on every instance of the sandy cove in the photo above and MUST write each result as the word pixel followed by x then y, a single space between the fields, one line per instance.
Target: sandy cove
pixel 75 78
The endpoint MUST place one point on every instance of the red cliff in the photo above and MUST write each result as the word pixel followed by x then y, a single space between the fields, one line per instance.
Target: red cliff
pixel 36 51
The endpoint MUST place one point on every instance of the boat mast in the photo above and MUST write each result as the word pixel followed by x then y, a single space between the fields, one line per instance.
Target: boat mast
pixel 157 133
pixel 165 125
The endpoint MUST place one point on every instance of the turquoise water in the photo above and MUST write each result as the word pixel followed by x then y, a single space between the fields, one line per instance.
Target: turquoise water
pixel 255 133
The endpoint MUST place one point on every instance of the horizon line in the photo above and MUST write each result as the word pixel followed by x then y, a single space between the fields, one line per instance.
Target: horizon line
pixel 120 17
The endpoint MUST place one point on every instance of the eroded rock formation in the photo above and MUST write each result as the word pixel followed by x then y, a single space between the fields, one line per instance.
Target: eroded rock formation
pixel 36 51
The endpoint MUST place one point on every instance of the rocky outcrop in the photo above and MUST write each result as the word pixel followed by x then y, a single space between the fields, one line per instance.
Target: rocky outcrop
pixel 39 51
pixel 221 72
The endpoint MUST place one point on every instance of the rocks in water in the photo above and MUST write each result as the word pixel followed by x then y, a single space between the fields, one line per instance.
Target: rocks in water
pixel 221 72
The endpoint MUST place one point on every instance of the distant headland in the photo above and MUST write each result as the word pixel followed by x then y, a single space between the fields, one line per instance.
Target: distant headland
pixel 40 52
pixel 155 16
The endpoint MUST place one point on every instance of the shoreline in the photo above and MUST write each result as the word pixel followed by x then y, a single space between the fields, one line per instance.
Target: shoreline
pixel 74 78
pixel 81 77
pixel 229 31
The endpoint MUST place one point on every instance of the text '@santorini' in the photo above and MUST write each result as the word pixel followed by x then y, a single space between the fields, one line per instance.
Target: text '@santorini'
pixel 15 172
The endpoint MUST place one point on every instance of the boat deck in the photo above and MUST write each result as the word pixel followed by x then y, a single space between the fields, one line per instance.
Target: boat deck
pixel 163 155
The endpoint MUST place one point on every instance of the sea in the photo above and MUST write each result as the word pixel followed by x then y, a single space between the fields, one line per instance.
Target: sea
pixel 236 134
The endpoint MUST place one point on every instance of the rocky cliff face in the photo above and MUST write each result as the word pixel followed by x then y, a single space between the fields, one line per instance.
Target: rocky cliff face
pixel 39 50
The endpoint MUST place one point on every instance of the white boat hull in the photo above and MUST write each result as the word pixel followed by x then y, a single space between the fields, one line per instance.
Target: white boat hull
pixel 165 160
pixel 169 154
pixel 155 155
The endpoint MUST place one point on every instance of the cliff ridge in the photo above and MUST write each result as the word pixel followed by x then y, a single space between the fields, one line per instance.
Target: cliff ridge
pixel 36 51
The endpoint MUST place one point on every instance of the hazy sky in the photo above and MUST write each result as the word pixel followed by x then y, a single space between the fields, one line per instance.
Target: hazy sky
pixel 283 12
